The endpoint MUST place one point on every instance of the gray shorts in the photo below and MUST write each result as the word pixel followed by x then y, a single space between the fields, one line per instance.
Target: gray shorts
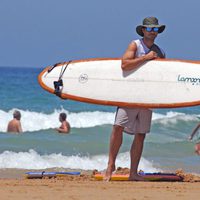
pixel 134 120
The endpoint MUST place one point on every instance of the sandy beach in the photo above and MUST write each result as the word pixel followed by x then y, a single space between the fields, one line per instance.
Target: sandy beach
pixel 86 187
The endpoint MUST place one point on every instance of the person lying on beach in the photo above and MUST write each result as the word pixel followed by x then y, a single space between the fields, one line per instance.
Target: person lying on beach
pixel 197 145
pixel 15 125
pixel 65 126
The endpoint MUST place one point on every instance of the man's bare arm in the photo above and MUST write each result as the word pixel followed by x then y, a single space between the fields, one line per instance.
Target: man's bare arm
pixel 65 128
pixel 130 62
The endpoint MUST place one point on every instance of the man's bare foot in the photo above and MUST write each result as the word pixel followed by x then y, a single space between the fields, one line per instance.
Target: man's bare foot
pixel 136 177
pixel 108 173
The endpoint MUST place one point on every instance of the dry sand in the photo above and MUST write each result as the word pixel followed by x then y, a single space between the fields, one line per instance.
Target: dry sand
pixel 86 188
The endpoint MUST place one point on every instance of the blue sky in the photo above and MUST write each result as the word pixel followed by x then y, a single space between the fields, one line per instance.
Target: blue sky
pixel 38 33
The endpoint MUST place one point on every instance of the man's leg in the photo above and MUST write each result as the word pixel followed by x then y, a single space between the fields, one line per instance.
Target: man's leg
pixel 135 154
pixel 115 143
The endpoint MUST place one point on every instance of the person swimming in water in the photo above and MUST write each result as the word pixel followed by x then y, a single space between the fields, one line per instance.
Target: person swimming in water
pixel 65 126
pixel 14 125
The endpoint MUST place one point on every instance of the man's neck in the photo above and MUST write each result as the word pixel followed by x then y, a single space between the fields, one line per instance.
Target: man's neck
pixel 148 42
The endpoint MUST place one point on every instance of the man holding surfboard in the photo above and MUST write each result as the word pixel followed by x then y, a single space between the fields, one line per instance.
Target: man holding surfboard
pixel 135 121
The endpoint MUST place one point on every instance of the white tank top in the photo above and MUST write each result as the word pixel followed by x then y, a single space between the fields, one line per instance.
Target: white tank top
pixel 142 49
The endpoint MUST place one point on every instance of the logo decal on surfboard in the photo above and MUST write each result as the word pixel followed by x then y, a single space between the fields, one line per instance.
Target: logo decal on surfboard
pixel 83 78
pixel 194 81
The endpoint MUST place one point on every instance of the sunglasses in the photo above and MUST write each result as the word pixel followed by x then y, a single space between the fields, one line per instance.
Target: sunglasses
pixel 154 29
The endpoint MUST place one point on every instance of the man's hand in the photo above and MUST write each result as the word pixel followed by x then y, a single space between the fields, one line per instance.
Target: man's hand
pixel 151 55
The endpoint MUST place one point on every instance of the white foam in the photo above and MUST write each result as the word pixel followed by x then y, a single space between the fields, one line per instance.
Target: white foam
pixel 173 117
pixel 35 121
pixel 33 160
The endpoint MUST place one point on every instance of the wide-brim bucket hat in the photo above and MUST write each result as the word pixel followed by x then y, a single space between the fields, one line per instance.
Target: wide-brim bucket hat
pixel 150 22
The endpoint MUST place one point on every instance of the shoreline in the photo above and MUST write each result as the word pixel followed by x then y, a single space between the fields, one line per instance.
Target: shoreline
pixel 14 185
pixel 86 188
pixel 15 173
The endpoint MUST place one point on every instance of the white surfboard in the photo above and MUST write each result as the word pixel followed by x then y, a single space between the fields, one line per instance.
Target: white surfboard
pixel 160 83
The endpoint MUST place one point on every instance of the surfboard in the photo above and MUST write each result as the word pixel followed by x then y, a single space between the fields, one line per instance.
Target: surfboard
pixel 147 177
pixel 160 83
pixel 43 174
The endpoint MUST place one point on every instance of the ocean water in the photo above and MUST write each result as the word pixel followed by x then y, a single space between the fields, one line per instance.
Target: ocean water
pixel 86 147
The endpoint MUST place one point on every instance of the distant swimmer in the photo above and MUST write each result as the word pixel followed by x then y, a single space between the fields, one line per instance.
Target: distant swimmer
pixel 15 125
pixel 65 126
pixel 197 145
